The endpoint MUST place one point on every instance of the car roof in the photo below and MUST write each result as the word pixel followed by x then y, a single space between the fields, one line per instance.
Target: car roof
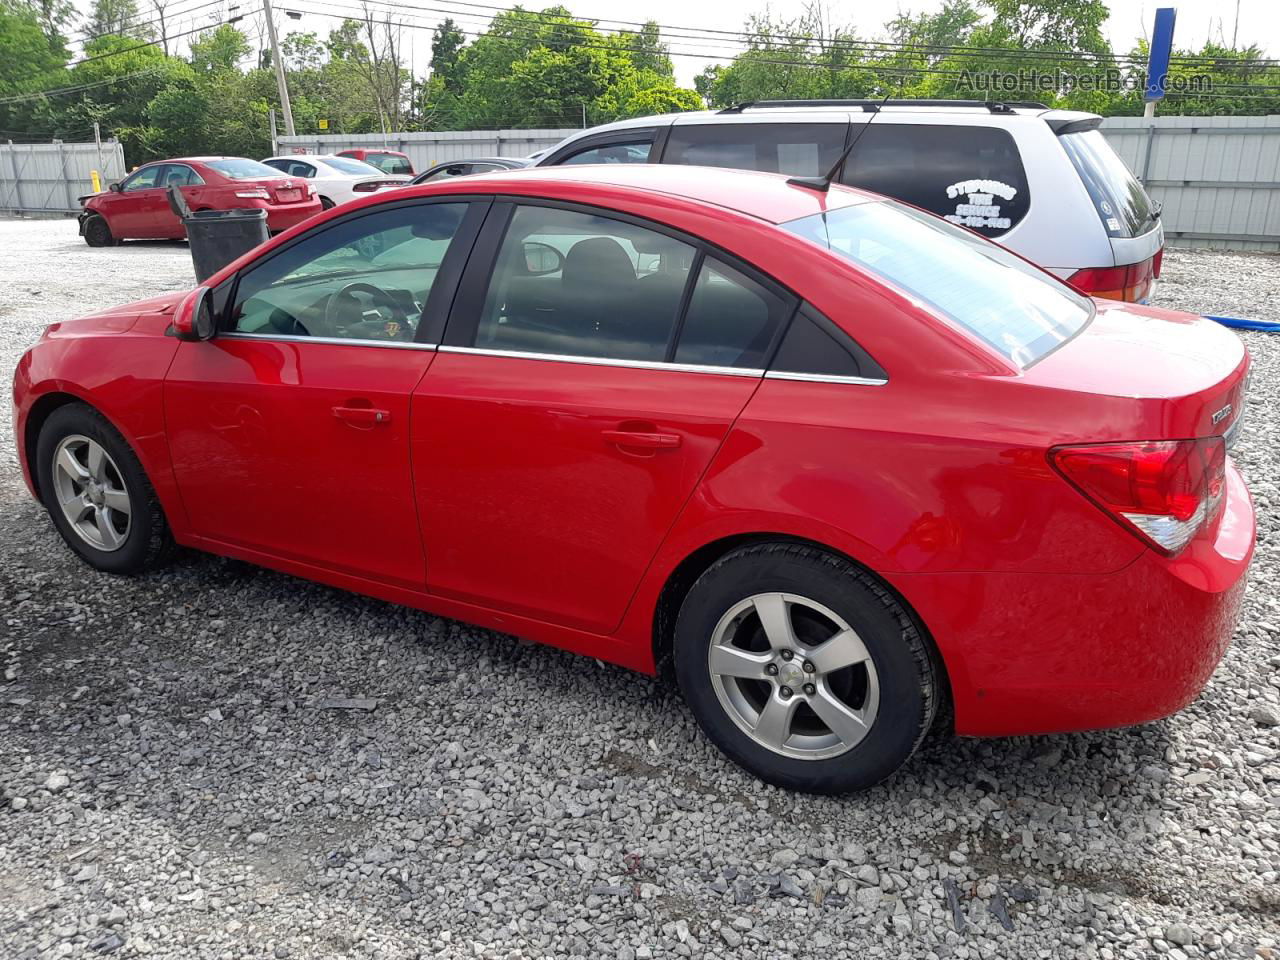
pixel 834 112
pixel 765 196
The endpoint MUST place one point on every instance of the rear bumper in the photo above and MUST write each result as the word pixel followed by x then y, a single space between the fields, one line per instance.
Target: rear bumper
pixel 1030 653
pixel 283 216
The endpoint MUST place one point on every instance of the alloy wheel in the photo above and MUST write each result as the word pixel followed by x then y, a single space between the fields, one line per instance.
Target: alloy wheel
pixel 793 676
pixel 91 493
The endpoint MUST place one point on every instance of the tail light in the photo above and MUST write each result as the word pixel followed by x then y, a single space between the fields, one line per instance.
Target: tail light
pixel 256 193
pixel 1131 282
pixel 369 186
pixel 1165 492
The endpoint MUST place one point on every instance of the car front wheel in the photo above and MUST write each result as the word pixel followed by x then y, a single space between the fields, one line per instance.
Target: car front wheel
pixel 804 669
pixel 97 494
pixel 97 233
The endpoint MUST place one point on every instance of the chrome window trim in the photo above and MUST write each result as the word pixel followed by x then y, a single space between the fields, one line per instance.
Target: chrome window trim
pixel 344 341
pixel 608 361
pixel 825 378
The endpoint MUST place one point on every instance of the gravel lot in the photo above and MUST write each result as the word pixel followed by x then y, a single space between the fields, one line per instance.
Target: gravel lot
pixel 176 781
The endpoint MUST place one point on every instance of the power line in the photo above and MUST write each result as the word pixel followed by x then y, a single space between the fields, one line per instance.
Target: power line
pixel 84 37
pixel 60 91
pixel 156 43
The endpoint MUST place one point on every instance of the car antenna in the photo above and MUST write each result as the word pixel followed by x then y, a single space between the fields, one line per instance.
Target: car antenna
pixel 823 184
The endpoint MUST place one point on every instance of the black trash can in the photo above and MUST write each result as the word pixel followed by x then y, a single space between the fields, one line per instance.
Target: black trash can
pixel 217 237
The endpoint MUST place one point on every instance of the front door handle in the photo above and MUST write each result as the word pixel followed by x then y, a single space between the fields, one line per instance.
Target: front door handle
pixel 648 441
pixel 362 416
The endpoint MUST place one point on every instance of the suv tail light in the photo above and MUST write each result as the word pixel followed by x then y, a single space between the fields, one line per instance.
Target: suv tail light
pixel 1165 492
pixel 1131 283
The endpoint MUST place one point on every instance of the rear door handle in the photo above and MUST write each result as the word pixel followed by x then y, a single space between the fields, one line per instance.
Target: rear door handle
pixel 649 441
pixel 362 416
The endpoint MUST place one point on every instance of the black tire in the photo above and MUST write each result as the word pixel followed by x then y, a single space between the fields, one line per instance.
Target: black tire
pixel 326 203
pixel 148 542
pixel 908 676
pixel 97 233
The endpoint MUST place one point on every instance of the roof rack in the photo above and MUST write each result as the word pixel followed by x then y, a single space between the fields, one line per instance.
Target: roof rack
pixel 873 106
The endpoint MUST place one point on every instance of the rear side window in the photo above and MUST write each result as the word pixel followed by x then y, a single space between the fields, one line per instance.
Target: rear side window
pixel 354 167
pixel 579 285
pixel 637 152
pixel 997 297
pixel 798 149
pixel 972 176
pixel 1122 204
pixel 813 349
pixel 731 320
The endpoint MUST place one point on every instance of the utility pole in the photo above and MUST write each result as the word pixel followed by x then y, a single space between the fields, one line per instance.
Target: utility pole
pixel 279 65
pixel 275 146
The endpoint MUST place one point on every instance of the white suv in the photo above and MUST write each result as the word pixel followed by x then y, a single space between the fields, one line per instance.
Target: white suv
pixel 1043 182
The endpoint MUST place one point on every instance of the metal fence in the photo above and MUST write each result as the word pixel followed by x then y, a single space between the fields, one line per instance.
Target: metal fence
pixel 428 149
pixel 48 177
pixel 1218 178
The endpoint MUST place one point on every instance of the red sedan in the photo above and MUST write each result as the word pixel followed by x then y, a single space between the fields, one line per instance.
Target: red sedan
pixel 137 208
pixel 834 460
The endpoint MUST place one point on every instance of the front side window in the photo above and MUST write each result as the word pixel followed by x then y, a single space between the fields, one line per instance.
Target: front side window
pixel 144 179
pixel 637 152
pixel 995 296
pixel 366 278
pixel 575 284
pixel 238 168
pixel 797 149
pixel 971 175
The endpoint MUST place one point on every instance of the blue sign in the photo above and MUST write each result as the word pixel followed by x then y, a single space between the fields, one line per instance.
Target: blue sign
pixel 1161 47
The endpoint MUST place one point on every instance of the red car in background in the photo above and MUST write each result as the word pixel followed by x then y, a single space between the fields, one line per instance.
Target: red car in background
pixel 137 208
pixel 388 161
pixel 835 459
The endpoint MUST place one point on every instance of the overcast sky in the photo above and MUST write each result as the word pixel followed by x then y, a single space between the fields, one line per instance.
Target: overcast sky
pixel 1259 20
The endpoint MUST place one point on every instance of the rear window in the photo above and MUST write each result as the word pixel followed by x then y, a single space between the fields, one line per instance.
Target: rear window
pixel 797 149
pixel 389 162
pixel 970 175
pixel 238 168
pixel 996 296
pixel 356 167
pixel 1121 202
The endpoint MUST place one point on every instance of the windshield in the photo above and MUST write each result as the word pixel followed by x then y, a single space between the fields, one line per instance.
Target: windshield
pixel 238 168
pixel 999 298
pixel 1122 204
pixel 389 162
pixel 357 167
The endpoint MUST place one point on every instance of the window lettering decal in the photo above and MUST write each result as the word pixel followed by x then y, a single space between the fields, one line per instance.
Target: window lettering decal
pixel 979 208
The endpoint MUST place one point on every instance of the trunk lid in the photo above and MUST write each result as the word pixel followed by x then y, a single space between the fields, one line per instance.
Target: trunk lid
pixel 1180 376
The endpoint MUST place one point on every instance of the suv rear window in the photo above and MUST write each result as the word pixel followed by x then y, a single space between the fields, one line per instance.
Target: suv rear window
pixel 1121 202
pixel 972 176
pixel 798 149
pixel 996 296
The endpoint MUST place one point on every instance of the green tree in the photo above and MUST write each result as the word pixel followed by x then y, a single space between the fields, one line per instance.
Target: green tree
pixel 220 50
pixel 447 42
pixel 26 55
pixel 119 18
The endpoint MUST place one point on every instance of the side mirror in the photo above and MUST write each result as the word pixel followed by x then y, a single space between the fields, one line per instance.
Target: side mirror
pixel 541 259
pixel 194 320
pixel 114 187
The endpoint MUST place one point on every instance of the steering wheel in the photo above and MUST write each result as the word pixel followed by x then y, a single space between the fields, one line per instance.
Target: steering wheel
pixel 345 299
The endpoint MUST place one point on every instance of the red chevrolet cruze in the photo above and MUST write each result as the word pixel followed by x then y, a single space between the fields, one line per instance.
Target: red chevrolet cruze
pixel 835 460
pixel 137 208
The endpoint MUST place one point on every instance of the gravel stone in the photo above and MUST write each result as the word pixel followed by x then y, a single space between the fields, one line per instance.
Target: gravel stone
pixel 1265 715
pixel 452 818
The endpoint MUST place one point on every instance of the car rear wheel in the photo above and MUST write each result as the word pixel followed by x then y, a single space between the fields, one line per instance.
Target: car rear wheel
pixel 97 494
pixel 97 233
pixel 804 669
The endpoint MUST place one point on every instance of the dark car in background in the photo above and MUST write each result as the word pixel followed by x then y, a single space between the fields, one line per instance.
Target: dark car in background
pixel 465 168
pixel 137 208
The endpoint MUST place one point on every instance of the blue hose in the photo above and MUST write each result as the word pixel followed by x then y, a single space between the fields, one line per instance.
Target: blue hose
pixel 1239 324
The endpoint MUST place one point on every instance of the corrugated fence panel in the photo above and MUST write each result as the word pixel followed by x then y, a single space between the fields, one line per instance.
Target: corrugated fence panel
pixel 48 177
pixel 1218 178
pixel 427 149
